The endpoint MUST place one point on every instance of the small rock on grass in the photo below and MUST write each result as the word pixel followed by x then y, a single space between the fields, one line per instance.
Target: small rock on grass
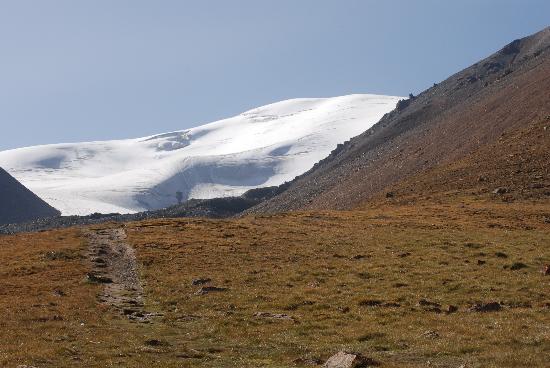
pixel 429 306
pixel 500 190
pixel 451 309
pixel 59 292
pixel 486 307
pixel 156 342
pixel 201 281
pixel 343 309
pixel 99 279
pixel 378 303
pixel 430 334
pixel 518 266
pixel 210 289
pixel 344 359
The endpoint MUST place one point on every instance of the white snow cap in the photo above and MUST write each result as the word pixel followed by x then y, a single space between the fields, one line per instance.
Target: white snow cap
pixel 261 147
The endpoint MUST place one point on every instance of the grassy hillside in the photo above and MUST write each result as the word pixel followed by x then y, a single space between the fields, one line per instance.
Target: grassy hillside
pixel 299 287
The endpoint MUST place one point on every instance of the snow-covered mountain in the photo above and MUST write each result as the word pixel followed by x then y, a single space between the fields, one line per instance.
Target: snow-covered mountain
pixel 261 147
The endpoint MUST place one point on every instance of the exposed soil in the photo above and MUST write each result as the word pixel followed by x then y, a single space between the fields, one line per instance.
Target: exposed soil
pixel 114 265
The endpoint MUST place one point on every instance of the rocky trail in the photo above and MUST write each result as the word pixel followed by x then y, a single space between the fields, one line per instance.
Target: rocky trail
pixel 114 265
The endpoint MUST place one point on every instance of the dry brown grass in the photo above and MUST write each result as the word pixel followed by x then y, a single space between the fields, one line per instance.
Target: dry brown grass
pixel 49 315
pixel 322 269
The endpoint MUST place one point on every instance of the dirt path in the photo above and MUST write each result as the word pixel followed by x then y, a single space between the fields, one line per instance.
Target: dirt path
pixel 114 265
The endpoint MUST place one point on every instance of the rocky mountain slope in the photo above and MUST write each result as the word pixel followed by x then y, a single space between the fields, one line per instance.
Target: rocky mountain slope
pixel 515 167
pixel 471 109
pixel 18 204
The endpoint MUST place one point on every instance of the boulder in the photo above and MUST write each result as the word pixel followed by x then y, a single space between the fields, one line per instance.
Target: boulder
pixel 344 359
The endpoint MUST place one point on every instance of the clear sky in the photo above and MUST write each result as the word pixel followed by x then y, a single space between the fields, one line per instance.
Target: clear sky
pixel 81 70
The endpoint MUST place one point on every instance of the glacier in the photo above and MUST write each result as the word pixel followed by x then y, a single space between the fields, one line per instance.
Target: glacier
pixel 265 146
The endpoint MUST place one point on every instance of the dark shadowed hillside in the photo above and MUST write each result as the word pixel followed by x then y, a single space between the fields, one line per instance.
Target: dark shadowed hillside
pixel 470 110
pixel 18 204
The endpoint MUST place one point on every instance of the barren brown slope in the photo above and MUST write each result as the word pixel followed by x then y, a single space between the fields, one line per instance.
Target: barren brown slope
pixel 514 168
pixel 469 110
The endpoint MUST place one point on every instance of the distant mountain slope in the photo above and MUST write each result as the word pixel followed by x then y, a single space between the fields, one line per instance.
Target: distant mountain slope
pixel 471 109
pixel 18 204
pixel 262 147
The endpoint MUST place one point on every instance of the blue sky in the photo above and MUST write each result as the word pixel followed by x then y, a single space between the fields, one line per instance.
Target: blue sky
pixel 101 69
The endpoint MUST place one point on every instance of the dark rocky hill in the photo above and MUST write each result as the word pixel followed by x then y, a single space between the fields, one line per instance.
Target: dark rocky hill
pixel 18 204
pixel 468 111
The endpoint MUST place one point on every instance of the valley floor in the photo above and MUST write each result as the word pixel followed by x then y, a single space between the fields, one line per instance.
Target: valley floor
pixel 404 284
